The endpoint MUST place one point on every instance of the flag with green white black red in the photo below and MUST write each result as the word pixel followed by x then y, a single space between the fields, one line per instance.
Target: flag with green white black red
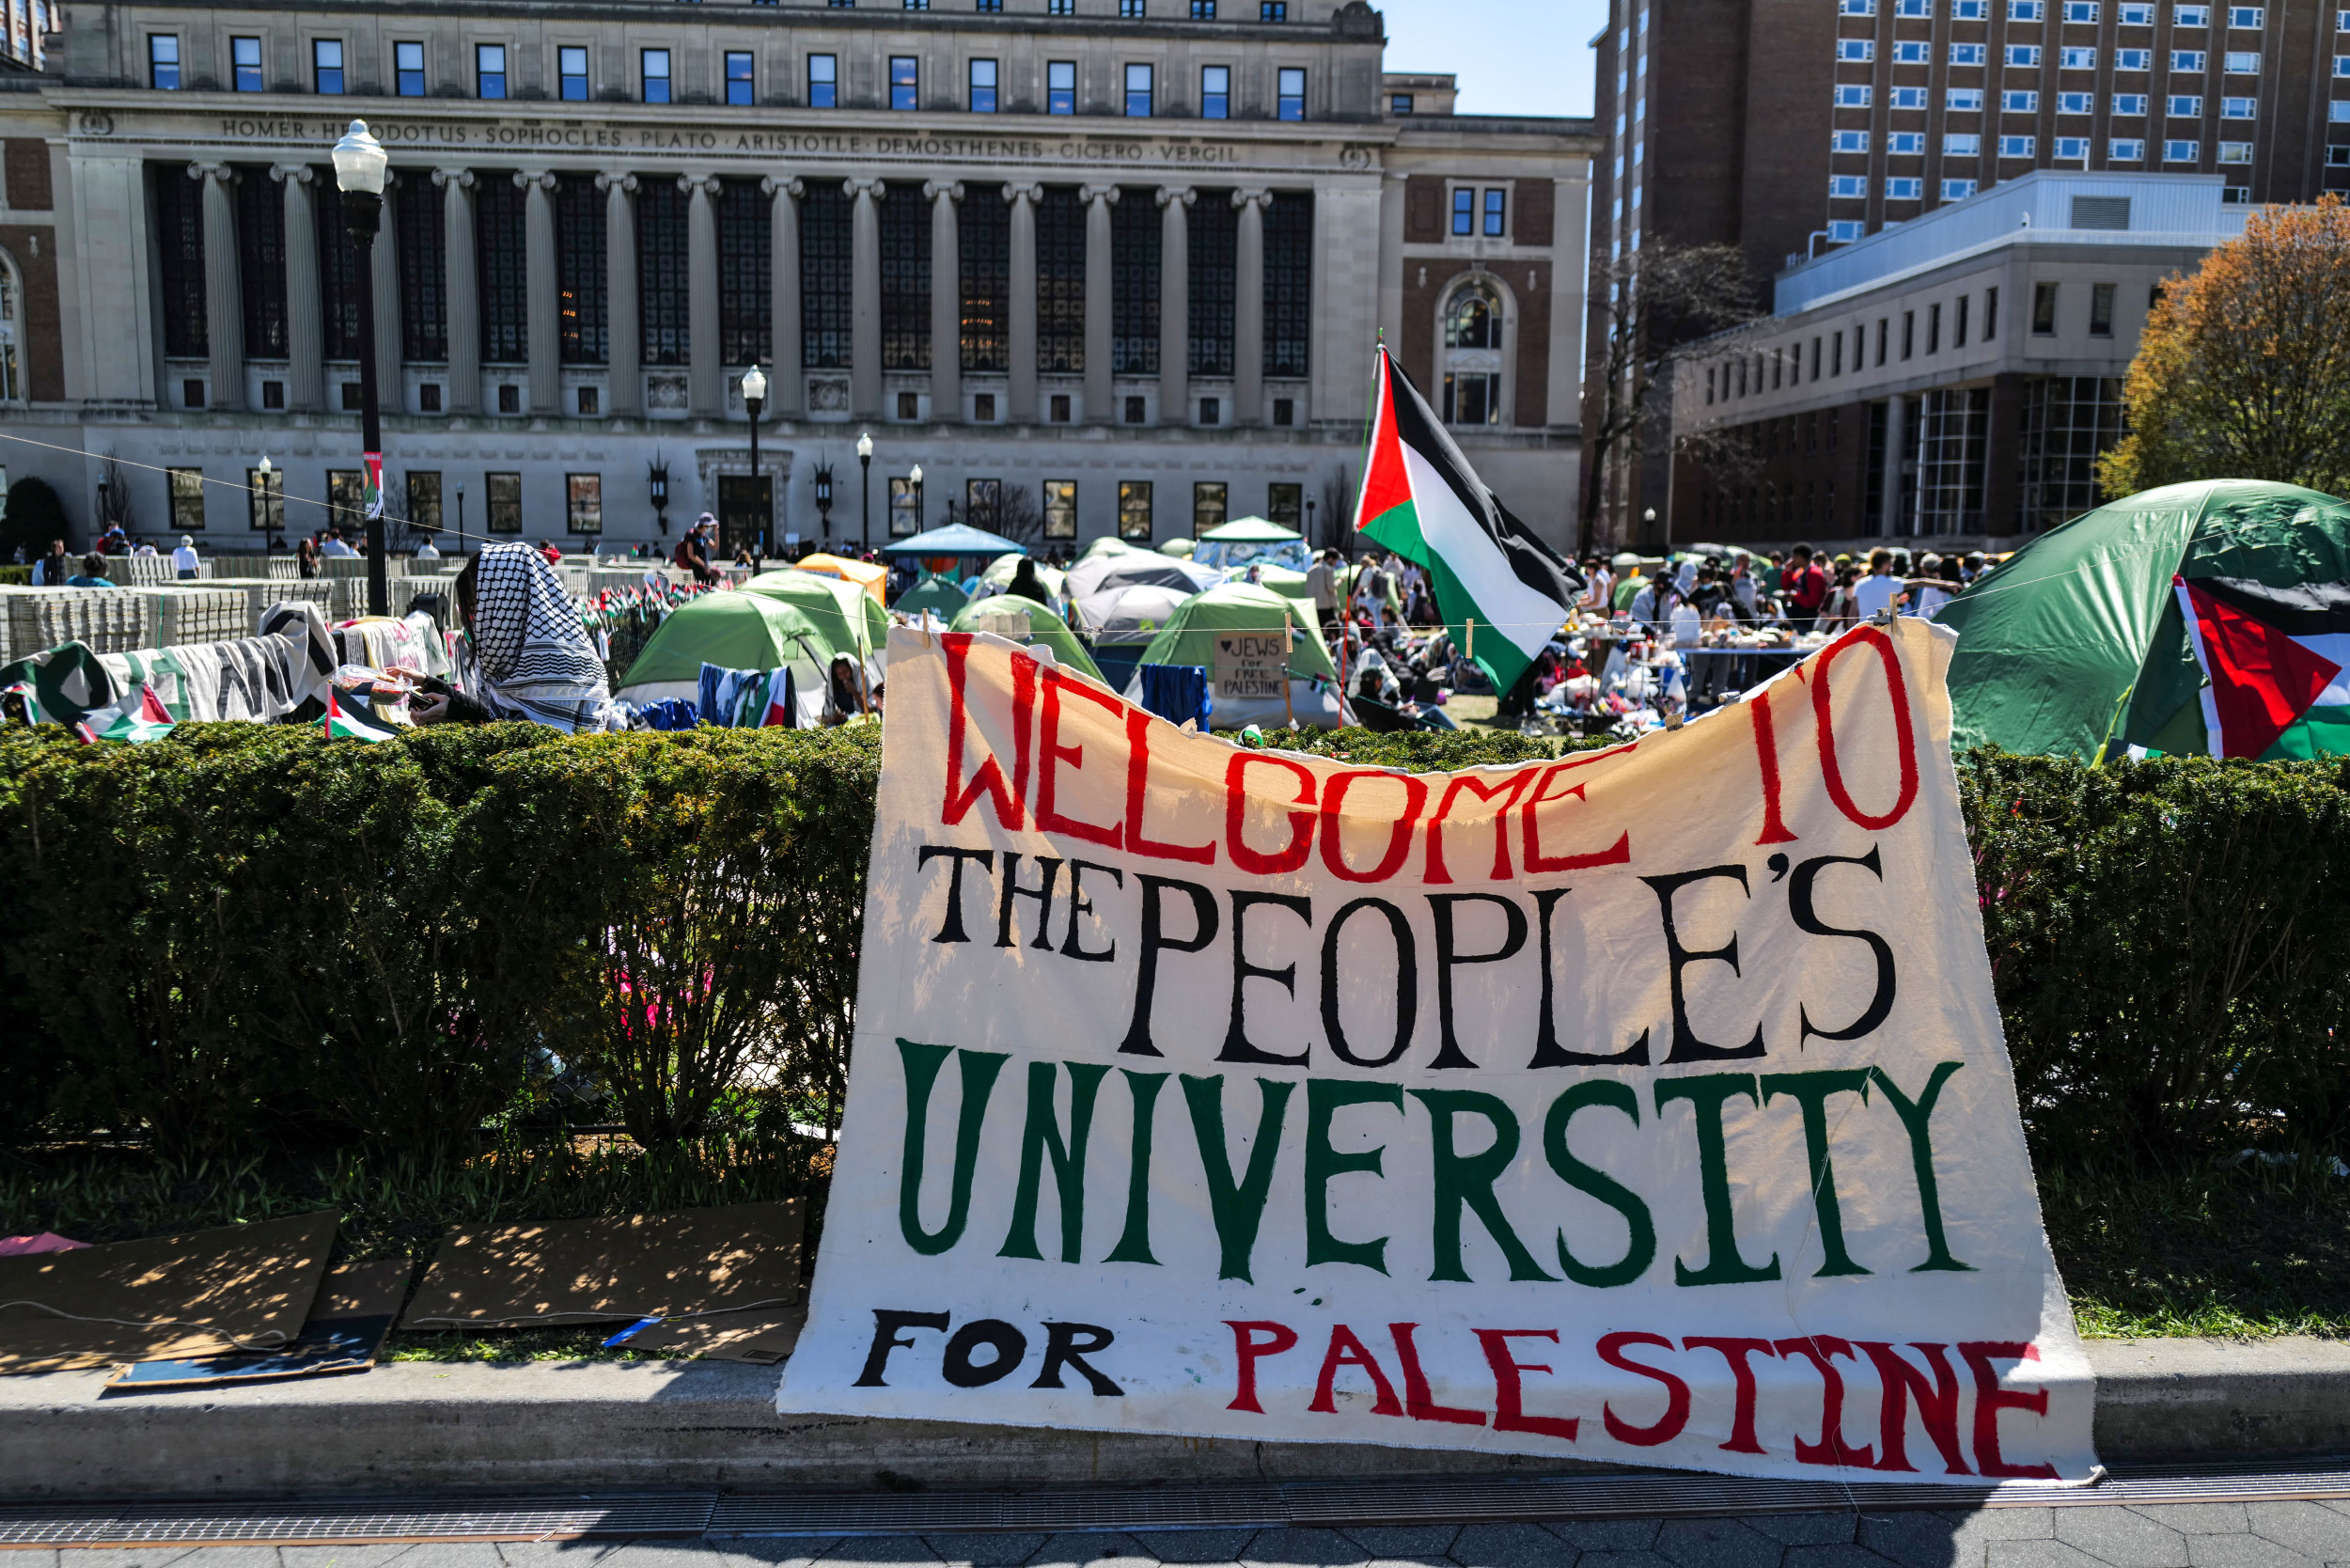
pixel 2275 664
pixel 1503 592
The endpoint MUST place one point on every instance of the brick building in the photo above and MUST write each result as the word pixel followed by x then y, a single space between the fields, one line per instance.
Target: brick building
pixel 1790 128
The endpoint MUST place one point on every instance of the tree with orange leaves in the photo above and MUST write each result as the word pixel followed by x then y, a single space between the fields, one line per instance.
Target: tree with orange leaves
pixel 2244 371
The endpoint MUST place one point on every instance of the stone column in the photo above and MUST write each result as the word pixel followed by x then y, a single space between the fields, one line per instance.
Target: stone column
pixel 224 290
pixel 786 382
pixel 463 290
pixel 306 330
pixel 1248 308
pixel 541 338
pixel 1889 512
pixel 706 379
pixel 945 301
pixel 391 385
pixel 1175 303
pixel 625 391
pixel 865 367
pixel 1098 285
pixel 1020 337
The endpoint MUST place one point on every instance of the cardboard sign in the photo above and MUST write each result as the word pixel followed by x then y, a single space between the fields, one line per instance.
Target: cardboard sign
pixel 1646 1105
pixel 1251 665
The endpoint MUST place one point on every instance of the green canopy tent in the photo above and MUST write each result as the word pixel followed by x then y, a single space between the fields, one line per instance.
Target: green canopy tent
pixel 1189 637
pixel 1184 547
pixel 983 615
pixel 1252 540
pixel 2076 646
pixel 737 631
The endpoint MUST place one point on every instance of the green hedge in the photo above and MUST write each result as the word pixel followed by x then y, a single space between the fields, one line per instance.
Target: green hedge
pixel 246 938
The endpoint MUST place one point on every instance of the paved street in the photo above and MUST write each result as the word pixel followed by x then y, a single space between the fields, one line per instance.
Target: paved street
pixel 2190 1535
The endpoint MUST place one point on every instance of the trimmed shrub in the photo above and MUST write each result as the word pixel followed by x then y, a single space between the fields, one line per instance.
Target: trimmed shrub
pixel 693 903
pixel 2167 941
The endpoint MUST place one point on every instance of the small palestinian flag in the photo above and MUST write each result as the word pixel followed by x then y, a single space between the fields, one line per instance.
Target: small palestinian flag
pixel 2273 662
pixel 349 717
pixel 1422 500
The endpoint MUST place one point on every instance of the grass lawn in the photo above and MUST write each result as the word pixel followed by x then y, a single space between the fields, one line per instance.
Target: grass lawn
pixel 2194 1250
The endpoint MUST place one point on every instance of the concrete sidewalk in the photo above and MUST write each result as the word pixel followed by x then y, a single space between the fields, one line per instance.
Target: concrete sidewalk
pixel 569 1427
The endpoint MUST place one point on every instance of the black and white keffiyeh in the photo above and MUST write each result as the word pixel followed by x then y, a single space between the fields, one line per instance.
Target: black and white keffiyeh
pixel 532 654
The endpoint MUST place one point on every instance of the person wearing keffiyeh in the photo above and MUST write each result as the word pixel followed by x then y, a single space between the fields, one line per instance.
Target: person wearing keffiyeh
pixel 531 657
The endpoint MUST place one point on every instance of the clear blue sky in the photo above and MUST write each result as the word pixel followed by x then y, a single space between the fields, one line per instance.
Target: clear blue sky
pixel 1512 56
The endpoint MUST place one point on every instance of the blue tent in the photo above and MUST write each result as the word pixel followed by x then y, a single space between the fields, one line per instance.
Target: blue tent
pixel 956 538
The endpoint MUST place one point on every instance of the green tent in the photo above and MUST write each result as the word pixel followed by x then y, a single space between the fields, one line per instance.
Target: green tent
pixel 938 595
pixel 1108 545
pixel 1043 626
pixel 1189 638
pixel 2075 646
pixel 837 608
pixel 737 630
pixel 1184 547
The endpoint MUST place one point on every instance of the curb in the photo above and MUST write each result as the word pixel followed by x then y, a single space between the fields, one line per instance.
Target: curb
pixel 568 1427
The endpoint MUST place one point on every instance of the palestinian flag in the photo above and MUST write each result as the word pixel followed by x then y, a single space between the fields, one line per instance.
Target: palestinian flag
pixel 349 717
pixel 2273 662
pixel 1422 500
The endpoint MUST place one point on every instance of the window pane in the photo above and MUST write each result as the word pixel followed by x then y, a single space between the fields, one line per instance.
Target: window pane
pixel 1293 99
pixel 656 69
pixel 823 81
pixel 1215 92
pixel 1134 509
pixel 571 66
pixel 490 71
pixel 1210 501
pixel 982 86
pixel 740 83
pixel 906 80
pixel 245 55
pixel 1061 509
pixel 1496 211
pixel 326 62
pixel 1060 87
pixel 584 503
pixel 1138 91
pixel 506 502
pixel 1464 210
pixel 408 70
pixel 162 61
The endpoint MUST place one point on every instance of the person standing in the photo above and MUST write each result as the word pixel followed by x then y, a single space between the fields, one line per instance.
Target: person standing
pixel 1803 588
pixel 1880 590
pixel 427 551
pixel 184 563
pixel 53 568
pixel 93 573
pixel 1321 580
pixel 306 557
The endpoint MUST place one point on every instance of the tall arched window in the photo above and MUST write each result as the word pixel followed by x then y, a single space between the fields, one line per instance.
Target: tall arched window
pixel 1472 354
pixel 11 315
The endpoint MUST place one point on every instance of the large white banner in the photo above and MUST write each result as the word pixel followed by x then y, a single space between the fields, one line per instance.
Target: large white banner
pixel 1648 1105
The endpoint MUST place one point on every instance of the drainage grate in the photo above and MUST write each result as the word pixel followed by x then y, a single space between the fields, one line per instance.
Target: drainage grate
pixel 1259 1505
pixel 368 1519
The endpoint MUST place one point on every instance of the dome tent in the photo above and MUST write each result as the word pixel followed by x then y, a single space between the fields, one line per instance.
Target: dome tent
pixel 737 631
pixel 1043 626
pixel 838 607
pixel 2077 645
pixel 1189 638
pixel 938 595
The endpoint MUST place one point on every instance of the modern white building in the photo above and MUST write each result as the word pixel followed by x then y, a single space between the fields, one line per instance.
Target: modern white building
pixel 1954 376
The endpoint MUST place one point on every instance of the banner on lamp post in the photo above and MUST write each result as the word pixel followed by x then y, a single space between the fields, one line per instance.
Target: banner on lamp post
pixel 1647 1105
pixel 375 485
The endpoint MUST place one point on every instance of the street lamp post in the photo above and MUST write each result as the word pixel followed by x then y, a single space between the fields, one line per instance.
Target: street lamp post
pixel 865 501
pixel 359 168
pixel 461 514
pixel 754 396
pixel 823 499
pixel 916 478
pixel 272 517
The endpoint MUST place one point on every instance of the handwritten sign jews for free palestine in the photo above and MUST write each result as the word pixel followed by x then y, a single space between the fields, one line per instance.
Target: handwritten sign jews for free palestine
pixel 1645 1106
